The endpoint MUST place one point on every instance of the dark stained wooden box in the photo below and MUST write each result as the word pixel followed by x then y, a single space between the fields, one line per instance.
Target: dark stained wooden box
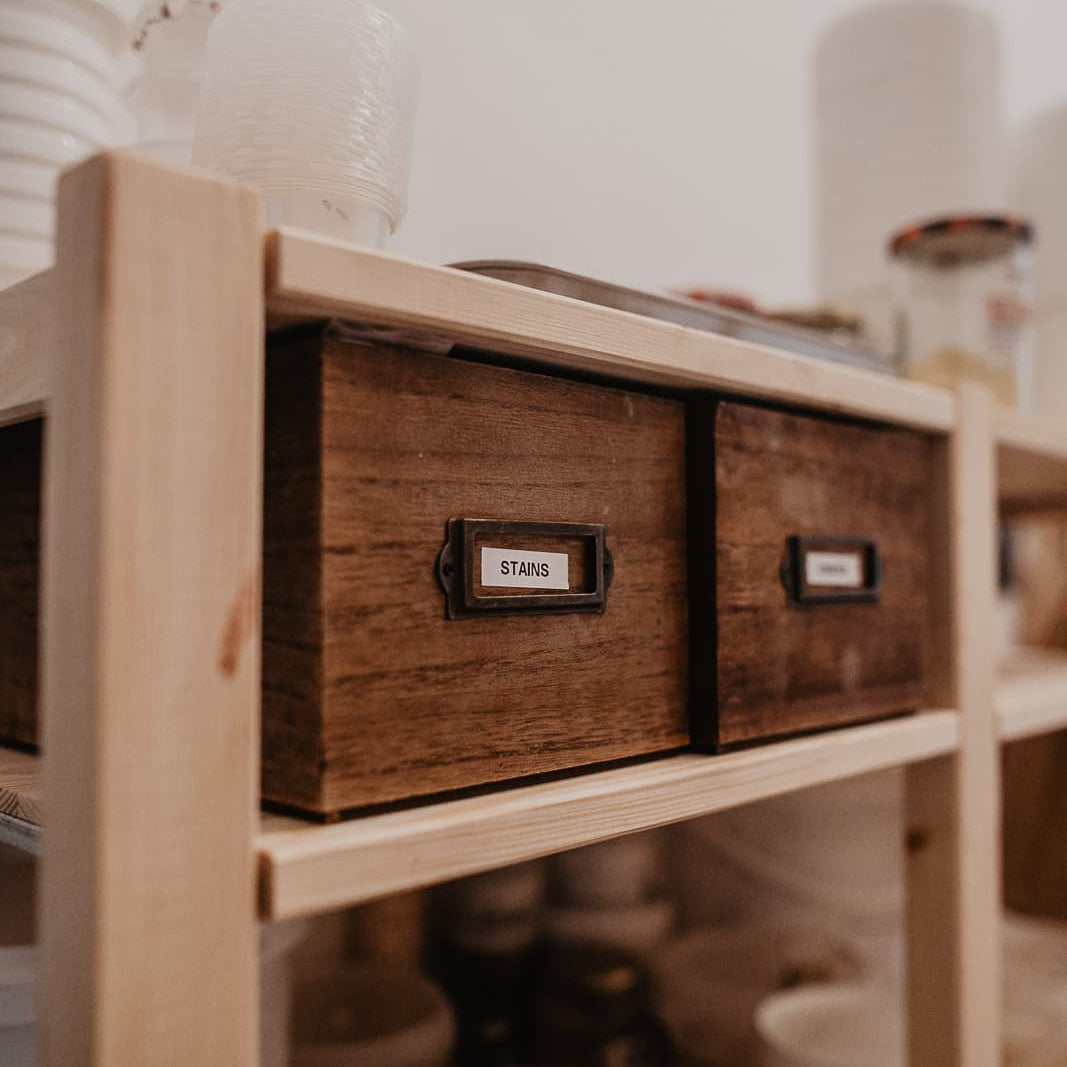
pixel 372 693
pixel 20 512
pixel 799 497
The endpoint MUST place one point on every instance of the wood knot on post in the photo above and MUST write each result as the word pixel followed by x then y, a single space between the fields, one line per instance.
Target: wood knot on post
pixel 916 840
pixel 240 626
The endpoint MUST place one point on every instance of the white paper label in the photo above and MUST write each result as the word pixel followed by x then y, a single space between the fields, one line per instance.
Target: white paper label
pixel 842 570
pixel 525 570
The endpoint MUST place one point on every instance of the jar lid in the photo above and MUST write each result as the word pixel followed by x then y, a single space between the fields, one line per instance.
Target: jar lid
pixel 956 239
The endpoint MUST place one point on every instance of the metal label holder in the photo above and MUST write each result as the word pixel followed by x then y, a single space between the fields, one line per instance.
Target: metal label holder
pixel 457 568
pixel 801 594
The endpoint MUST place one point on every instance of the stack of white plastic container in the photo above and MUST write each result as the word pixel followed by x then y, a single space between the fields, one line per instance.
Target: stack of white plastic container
pixel 60 63
pixel 1041 162
pixel 908 125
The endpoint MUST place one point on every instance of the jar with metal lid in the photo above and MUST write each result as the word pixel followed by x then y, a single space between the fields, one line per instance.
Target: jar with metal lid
pixel 962 288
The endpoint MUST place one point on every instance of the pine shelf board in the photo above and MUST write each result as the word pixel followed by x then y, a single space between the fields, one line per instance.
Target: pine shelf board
pixel 1032 695
pixel 310 277
pixel 305 869
pixel 20 799
pixel 1031 461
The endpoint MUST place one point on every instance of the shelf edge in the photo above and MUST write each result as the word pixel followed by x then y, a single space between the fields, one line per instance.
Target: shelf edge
pixel 307 869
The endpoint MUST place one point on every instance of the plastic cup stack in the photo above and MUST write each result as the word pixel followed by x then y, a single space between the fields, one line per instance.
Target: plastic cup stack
pixel 59 61
pixel 314 104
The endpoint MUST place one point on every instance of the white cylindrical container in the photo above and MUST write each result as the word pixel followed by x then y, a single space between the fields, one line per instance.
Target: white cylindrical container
pixel 638 928
pixel 1041 162
pixel 373 1015
pixel 623 871
pixel 314 104
pixel 907 125
pixel 59 68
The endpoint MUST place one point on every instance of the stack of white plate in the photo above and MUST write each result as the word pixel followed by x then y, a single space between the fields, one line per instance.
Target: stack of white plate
pixel 59 62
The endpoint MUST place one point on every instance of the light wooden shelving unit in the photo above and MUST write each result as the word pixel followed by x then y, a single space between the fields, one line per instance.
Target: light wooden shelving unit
pixel 144 349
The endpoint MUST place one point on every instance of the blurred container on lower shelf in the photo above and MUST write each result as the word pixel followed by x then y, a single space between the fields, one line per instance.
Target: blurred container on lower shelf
pixel 277 942
pixel 484 954
pixel 863 1025
pixel 593 1008
pixel 831 1026
pixel 710 981
pixel 826 859
pixel 18 959
pixel 373 1015
pixel 611 894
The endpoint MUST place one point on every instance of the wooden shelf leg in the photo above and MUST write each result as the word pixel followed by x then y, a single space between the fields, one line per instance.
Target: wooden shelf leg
pixel 151 622
pixel 954 873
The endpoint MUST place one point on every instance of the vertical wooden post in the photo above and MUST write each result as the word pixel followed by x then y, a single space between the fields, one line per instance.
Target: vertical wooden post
pixel 151 622
pixel 954 940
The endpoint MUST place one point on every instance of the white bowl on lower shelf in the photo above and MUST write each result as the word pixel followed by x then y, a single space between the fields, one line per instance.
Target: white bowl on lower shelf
pixel 831 1026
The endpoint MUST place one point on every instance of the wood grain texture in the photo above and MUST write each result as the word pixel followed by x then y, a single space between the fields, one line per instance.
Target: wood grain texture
pixel 20 786
pixel 783 668
pixel 150 624
pixel 307 869
pixel 311 278
pixel 413 703
pixel 20 551
pixel 27 347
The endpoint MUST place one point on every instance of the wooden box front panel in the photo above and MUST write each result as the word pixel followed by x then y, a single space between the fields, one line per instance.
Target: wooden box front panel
pixel 783 667
pixel 20 524
pixel 407 702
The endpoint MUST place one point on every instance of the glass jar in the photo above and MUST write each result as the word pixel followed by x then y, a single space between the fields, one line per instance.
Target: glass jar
pixel 962 288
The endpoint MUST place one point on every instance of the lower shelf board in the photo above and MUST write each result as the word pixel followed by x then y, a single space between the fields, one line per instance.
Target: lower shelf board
pixel 307 868
pixel 1032 695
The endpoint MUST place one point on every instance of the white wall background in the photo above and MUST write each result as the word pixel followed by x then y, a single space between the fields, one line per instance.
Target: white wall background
pixel 649 143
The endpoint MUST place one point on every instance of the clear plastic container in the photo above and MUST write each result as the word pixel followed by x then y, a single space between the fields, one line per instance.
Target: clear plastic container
pixel 171 39
pixel 963 304
pixel 315 105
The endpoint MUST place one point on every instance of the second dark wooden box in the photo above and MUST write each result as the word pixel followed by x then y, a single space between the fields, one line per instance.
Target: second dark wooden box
pixel 810 555
pixel 377 687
